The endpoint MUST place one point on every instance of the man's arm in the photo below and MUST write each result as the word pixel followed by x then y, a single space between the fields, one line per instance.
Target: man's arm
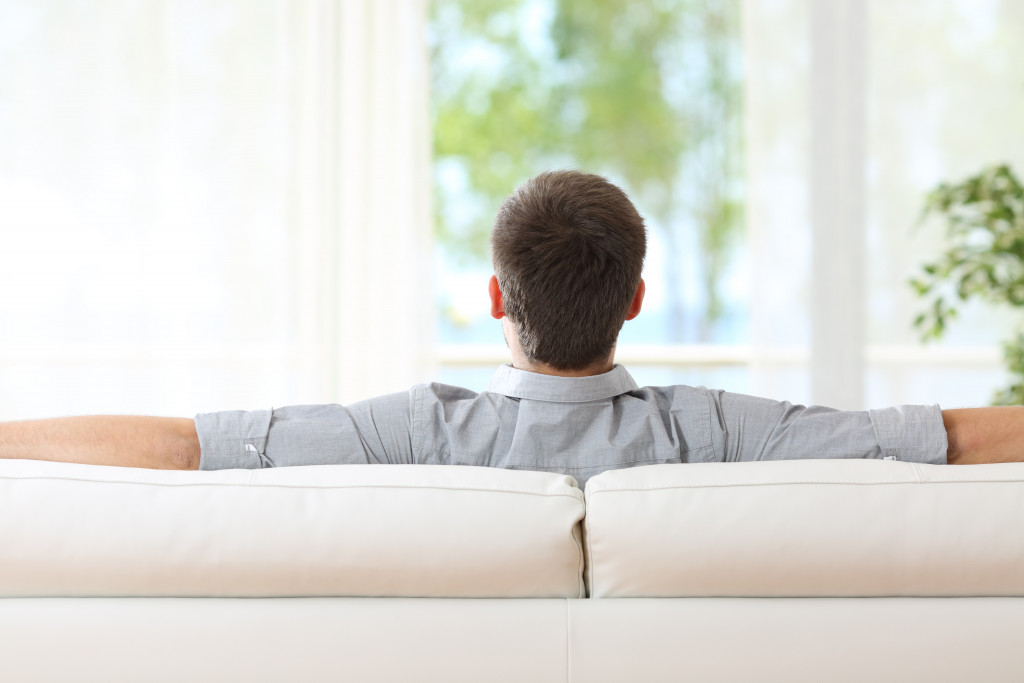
pixel 984 435
pixel 975 436
pixel 167 443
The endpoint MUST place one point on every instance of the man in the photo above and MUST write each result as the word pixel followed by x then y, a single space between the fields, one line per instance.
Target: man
pixel 568 249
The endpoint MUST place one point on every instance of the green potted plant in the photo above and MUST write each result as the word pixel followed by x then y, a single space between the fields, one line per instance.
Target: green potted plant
pixel 984 217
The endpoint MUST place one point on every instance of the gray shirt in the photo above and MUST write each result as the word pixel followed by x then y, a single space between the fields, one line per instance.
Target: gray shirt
pixel 576 426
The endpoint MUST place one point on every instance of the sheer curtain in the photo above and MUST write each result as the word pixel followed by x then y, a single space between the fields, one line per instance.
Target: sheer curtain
pixel 210 205
pixel 854 110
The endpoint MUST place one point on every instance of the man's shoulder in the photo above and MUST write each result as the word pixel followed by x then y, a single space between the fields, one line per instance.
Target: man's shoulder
pixel 428 390
pixel 441 390
pixel 673 391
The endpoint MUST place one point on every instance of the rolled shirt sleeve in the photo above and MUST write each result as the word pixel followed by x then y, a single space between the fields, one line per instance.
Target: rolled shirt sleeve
pixel 372 431
pixel 751 428
pixel 913 432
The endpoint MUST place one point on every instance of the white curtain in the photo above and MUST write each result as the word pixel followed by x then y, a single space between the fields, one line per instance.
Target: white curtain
pixel 210 205
pixel 854 110
pixel 366 189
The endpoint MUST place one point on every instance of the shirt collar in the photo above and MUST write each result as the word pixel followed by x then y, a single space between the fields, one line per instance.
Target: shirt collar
pixel 532 385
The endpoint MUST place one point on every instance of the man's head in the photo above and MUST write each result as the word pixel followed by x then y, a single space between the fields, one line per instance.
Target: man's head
pixel 568 249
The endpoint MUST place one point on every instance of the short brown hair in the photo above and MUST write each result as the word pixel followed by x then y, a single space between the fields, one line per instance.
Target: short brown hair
pixel 568 250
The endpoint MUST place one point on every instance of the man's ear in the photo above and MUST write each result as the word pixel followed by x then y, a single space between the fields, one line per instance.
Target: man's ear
pixel 497 305
pixel 638 301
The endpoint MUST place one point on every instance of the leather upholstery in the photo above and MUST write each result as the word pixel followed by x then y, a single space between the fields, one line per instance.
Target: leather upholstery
pixel 810 528
pixel 353 530
pixel 806 528
pixel 125 640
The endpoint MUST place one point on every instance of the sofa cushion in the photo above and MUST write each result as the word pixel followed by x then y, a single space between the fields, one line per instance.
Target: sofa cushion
pixel 806 528
pixel 347 530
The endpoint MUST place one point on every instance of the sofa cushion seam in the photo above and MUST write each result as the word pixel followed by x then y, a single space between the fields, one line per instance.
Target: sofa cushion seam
pixel 802 483
pixel 568 641
pixel 338 487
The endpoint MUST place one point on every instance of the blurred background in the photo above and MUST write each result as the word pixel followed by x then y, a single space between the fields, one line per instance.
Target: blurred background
pixel 225 204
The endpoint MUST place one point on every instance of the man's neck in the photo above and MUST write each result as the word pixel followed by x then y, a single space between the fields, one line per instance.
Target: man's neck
pixel 521 362
pixel 542 369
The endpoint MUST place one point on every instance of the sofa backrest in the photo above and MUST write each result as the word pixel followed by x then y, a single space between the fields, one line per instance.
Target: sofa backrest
pixel 806 528
pixel 354 530
pixel 798 528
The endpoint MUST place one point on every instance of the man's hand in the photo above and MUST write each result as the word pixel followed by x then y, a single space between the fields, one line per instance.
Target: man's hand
pixel 166 443
pixel 984 435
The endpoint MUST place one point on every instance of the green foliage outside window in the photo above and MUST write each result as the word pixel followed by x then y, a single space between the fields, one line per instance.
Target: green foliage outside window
pixel 645 92
pixel 984 217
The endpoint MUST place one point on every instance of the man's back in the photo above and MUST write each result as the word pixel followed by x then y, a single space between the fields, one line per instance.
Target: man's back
pixel 576 426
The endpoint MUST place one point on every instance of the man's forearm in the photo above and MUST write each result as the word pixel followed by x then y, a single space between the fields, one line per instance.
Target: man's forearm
pixel 984 435
pixel 124 440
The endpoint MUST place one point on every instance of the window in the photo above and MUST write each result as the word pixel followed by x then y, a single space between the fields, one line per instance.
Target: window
pixel 231 204
pixel 811 131
pixel 648 94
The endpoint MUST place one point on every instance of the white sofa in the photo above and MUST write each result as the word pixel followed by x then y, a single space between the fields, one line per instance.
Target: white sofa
pixel 802 570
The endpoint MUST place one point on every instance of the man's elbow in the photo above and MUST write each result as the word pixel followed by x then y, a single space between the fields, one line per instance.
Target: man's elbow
pixel 186 452
pixel 956 435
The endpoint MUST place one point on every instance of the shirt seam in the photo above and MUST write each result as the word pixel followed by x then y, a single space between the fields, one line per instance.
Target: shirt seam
pixel 707 430
pixel 764 447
